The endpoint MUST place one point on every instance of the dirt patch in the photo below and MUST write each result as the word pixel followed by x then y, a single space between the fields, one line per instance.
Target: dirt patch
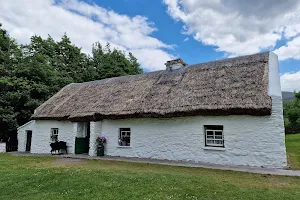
pixel 69 161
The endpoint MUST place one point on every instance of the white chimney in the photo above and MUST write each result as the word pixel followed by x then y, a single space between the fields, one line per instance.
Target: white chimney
pixel 175 64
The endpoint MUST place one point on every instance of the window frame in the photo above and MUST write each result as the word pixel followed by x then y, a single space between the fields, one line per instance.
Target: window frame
pixel 214 129
pixel 120 141
pixel 54 134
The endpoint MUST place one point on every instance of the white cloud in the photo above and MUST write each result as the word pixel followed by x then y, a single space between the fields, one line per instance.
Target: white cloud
pixel 290 50
pixel 186 39
pixel 85 24
pixel 238 27
pixel 155 58
pixel 290 81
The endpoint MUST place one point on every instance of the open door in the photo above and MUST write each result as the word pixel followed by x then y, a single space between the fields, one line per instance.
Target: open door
pixel 28 140
pixel 82 143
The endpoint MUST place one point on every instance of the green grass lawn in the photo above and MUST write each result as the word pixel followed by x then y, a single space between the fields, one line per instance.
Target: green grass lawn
pixel 292 143
pixel 56 178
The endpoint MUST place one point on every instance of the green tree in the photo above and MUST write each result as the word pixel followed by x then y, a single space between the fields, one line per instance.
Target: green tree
pixel 112 63
pixel 10 55
pixel 32 73
pixel 292 114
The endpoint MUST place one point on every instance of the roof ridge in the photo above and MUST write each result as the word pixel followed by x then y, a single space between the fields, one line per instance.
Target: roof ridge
pixel 117 78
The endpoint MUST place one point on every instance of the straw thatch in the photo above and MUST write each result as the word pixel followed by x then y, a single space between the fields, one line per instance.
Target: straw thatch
pixel 236 86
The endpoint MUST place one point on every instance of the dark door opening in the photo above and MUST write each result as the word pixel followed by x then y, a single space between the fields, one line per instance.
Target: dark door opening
pixel 82 145
pixel 28 140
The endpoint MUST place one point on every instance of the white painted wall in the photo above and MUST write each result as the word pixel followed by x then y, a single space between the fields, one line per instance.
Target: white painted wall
pixel 274 76
pixel 2 147
pixel 96 130
pixel 42 131
pixel 274 91
pixel 22 134
pixel 249 140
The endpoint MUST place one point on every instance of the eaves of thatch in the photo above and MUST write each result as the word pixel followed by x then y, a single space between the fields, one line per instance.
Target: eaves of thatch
pixel 235 86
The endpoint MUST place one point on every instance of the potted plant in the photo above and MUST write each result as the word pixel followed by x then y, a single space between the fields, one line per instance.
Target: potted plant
pixel 101 140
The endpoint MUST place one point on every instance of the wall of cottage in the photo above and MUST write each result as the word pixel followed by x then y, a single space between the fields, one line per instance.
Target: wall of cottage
pixel 249 140
pixel 41 132
pixel 22 134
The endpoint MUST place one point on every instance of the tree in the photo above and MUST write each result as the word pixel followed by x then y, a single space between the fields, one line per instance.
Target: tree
pixel 32 73
pixel 9 57
pixel 292 114
pixel 109 63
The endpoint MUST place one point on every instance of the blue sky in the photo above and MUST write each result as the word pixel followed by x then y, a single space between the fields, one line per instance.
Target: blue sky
pixel 156 31
pixel 170 32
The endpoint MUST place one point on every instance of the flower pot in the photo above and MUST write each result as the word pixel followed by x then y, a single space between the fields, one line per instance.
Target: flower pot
pixel 100 150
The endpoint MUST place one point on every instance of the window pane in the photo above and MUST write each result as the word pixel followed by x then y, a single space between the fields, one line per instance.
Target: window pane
pixel 209 141
pixel 124 139
pixel 213 127
pixel 54 131
pixel 218 133
pixel 218 141
pixel 127 140
pixel 214 135
pixel 209 132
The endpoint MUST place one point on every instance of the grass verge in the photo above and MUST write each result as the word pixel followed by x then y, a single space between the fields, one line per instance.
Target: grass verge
pixel 292 143
pixel 56 178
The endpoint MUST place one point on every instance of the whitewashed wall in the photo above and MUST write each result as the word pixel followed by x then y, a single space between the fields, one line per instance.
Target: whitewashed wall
pixel 96 130
pixel 249 140
pixel 42 131
pixel 22 136
pixel 2 147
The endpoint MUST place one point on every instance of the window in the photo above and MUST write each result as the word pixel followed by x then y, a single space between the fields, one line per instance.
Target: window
pixel 214 136
pixel 124 137
pixel 54 134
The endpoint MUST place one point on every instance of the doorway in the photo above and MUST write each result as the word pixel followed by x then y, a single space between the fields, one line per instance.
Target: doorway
pixel 28 140
pixel 82 141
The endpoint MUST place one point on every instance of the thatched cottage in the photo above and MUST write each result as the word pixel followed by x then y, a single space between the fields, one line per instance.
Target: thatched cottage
pixel 226 112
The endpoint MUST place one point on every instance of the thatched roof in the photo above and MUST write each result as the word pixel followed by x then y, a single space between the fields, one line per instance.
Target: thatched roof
pixel 236 86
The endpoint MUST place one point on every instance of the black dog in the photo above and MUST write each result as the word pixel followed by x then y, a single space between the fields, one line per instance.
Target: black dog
pixel 57 146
